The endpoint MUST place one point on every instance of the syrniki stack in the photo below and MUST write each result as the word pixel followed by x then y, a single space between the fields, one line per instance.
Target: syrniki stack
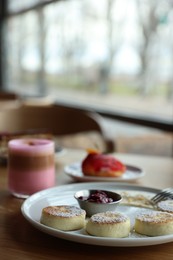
pixel 108 224
pixel 154 223
pixel 63 217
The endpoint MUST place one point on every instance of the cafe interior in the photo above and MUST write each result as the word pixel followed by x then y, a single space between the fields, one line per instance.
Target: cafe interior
pixel 86 111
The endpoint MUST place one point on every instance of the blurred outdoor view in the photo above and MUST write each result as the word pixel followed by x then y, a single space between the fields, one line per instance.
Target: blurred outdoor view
pixel 114 54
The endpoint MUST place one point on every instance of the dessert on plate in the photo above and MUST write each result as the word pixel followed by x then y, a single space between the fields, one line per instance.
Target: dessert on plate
pixel 102 165
pixel 165 205
pixel 63 217
pixel 108 224
pixel 154 223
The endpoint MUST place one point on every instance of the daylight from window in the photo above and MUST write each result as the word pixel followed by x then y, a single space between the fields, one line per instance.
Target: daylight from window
pixel 114 54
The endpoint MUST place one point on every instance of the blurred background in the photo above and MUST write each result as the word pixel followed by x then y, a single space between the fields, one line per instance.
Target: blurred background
pixel 112 56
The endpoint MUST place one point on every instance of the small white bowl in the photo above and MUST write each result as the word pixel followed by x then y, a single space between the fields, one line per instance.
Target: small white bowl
pixel 92 207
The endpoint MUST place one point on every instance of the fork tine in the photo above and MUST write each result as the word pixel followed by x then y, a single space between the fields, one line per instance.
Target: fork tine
pixel 167 190
pixel 164 194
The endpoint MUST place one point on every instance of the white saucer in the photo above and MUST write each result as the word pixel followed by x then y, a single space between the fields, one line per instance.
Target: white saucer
pixel 132 173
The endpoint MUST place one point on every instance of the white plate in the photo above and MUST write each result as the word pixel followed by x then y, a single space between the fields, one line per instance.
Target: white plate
pixel 63 195
pixel 132 173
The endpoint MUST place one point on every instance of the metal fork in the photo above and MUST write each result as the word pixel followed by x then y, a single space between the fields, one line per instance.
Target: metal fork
pixel 163 195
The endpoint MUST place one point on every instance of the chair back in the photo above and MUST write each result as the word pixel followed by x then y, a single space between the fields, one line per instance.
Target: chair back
pixel 55 119
pixel 58 120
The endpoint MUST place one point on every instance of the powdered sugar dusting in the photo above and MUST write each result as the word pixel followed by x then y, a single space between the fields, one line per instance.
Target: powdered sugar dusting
pixel 108 218
pixel 155 217
pixel 64 211
pixel 166 205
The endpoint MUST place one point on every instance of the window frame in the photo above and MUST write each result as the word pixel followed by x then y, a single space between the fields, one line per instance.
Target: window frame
pixel 160 124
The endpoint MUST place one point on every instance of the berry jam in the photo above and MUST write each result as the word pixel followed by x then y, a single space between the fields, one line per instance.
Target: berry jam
pixel 97 197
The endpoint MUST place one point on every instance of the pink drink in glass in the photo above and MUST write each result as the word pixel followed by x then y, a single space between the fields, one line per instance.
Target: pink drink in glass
pixel 31 166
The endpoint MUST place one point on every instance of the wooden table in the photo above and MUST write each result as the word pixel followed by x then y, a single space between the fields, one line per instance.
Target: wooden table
pixel 19 240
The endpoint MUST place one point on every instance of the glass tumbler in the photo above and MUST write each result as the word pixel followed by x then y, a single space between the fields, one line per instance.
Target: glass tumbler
pixel 31 166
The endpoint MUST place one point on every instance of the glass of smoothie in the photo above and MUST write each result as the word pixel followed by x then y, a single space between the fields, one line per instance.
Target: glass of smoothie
pixel 31 166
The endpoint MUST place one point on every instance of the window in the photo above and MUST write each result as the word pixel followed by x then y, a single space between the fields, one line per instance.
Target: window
pixel 115 55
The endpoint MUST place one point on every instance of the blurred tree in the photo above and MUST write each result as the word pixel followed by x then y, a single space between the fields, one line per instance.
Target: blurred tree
pixel 154 23
pixel 148 22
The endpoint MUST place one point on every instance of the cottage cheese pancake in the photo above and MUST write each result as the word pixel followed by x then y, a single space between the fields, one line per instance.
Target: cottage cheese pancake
pixel 63 217
pixel 155 223
pixel 108 224
pixel 165 205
